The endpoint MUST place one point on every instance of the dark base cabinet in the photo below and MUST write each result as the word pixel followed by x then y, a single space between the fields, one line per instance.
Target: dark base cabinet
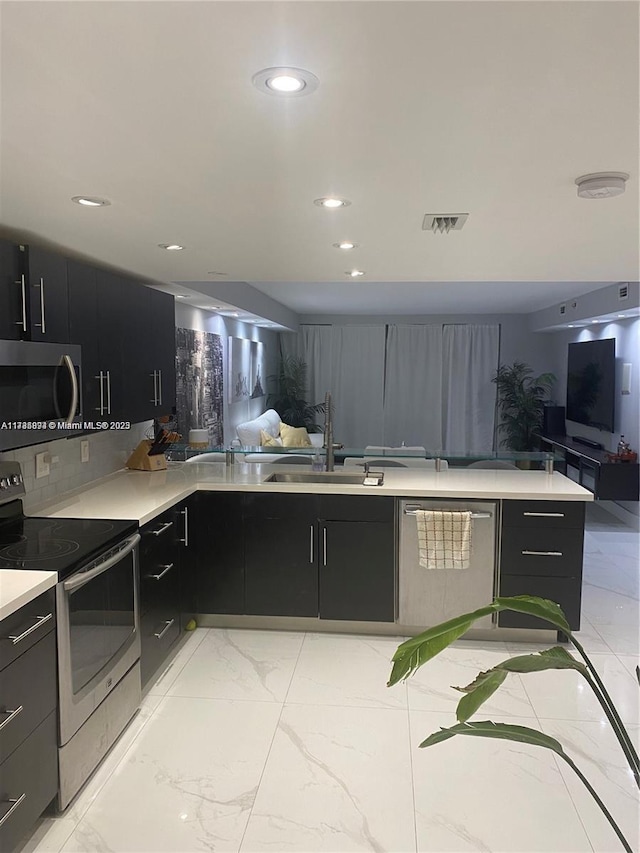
pixel 159 591
pixel 219 553
pixel 28 711
pixel 281 567
pixel 541 554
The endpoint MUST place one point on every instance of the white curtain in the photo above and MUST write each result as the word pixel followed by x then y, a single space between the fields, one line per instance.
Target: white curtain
pixel 470 360
pixel 413 387
pixel 357 361
pixel 314 345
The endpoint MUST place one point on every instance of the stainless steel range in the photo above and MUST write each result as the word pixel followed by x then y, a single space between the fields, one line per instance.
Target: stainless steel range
pixel 98 632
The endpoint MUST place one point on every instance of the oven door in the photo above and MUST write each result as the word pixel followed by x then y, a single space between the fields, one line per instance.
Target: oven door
pixel 98 632
pixel 39 392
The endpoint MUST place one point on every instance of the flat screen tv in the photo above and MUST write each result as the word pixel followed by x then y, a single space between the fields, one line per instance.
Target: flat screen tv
pixel 591 383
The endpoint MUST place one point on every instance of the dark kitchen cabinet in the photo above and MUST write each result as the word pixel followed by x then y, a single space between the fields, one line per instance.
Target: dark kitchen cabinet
pixel 541 554
pixel 84 330
pixel 28 732
pixel 281 564
pixel 13 293
pixel 162 349
pixel 160 592
pixel 188 538
pixel 46 277
pixel 356 558
pixel 220 554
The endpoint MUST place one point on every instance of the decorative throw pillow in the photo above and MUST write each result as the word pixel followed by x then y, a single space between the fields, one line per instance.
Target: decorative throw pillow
pixel 294 436
pixel 267 440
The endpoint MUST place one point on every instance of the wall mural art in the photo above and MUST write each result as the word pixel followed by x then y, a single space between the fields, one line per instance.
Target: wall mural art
pixel 246 370
pixel 199 383
pixel 257 370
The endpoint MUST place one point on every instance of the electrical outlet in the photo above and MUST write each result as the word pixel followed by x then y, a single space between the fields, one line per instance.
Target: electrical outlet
pixel 42 465
pixel 84 450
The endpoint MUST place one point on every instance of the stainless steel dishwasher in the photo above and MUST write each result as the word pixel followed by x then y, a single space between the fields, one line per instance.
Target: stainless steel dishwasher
pixel 429 596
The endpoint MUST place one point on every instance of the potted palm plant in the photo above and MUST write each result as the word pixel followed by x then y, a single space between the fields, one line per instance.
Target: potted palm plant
pixel 288 398
pixel 521 400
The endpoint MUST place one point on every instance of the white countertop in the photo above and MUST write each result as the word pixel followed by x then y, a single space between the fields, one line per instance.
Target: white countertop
pixel 142 495
pixel 19 587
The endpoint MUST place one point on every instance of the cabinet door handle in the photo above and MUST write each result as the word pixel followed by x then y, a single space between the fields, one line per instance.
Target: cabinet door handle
pixel 185 540
pixel 159 387
pixel 167 625
pixel 108 375
pixel 154 376
pixel 165 569
pixel 324 546
pixel 23 322
pixel 12 715
pixel 544 514
pixel 41 324
pixel 542 553
pixel 311 543
pixel 100 377
pixel 163 528
pixel 15 803
pixel 17 638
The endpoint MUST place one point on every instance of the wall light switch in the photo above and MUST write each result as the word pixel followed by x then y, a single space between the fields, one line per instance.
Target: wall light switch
pixel 84 450
pixel 42 465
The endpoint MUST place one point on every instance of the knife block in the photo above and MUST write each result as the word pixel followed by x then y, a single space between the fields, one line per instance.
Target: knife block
pixel 141 461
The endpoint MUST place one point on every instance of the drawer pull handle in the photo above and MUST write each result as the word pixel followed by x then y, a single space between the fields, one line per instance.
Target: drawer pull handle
pixel 542 553
pixel 311 557
pixel 12 715
pixel 15 639
pixel 162 528
pixel 165 569
pixel 544 514
pixel 167 625
pixel 14 806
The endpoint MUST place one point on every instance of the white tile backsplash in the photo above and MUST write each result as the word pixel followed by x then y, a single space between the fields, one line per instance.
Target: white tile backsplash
pixel 108 451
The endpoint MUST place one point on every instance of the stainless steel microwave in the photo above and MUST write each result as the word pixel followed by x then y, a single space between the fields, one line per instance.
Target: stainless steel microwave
pixel 40 392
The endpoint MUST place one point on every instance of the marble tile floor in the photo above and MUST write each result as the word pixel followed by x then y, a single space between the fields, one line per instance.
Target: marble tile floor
pixel 283 741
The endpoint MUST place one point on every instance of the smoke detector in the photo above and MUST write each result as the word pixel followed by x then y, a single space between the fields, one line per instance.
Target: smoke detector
pixel 601 184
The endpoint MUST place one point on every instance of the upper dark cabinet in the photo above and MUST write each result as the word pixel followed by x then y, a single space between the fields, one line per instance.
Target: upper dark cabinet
pixel 163 349
pixel 83 330
pixel 13 293
pixel 46 281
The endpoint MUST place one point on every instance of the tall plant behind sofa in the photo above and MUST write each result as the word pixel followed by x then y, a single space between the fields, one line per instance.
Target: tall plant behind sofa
pixel 288 398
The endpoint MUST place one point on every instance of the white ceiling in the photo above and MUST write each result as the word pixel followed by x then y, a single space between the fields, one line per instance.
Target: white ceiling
pixel 490 109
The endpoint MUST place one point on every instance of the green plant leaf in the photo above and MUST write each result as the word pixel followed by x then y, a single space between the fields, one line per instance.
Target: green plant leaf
pixel 411 654
pixel 555 658
pixel 535 606
pixel 501 731
pixel 418 650
pixel 484 686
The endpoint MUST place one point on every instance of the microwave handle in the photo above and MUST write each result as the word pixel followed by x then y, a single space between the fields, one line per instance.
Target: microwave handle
pixel 81 578
pixel 74 388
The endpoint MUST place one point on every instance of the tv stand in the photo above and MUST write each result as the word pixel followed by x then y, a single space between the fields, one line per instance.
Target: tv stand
pixel 588 442
pixel 610 481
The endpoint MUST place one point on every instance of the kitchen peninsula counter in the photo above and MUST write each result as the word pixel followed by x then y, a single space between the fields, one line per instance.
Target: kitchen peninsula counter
pixel 142 495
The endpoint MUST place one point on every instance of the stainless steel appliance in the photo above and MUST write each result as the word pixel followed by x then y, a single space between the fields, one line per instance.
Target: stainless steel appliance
pixel 429 596
pixel 98 632
pixel 40 388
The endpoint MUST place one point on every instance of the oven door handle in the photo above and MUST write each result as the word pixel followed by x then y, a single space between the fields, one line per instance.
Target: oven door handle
pixel 80 579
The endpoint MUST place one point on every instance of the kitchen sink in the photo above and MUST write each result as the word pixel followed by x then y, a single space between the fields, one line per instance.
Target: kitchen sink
pixel 316 477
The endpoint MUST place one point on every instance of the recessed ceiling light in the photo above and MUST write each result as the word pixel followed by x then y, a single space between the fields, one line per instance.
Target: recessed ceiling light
pixel 601 184
pixel 331 202
pixel 345 245
pixel 171 247
pixel 595 321
pixel 354 273
pixel 182 296
pixel 621 316
pixel 91 201
pixel 285 82
pixel 215 272
pixel 570 326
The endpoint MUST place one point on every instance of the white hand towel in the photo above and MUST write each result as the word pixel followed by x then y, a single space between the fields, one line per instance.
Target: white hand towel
pixel 444 539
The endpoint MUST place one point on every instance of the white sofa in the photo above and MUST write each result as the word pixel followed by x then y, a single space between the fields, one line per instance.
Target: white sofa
pixel 249 436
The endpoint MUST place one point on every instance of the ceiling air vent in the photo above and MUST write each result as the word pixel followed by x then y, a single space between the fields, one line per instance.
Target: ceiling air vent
pixel 563 309
pixel 623 291
pixel 443 222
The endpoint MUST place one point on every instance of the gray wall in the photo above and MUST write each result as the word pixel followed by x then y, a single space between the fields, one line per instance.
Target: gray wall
pixel 189 317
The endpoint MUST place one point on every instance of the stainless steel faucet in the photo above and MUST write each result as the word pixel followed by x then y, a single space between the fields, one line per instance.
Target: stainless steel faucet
pixel 328 432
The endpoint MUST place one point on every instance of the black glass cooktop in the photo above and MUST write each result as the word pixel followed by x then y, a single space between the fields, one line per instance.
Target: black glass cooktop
pixel 60 545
